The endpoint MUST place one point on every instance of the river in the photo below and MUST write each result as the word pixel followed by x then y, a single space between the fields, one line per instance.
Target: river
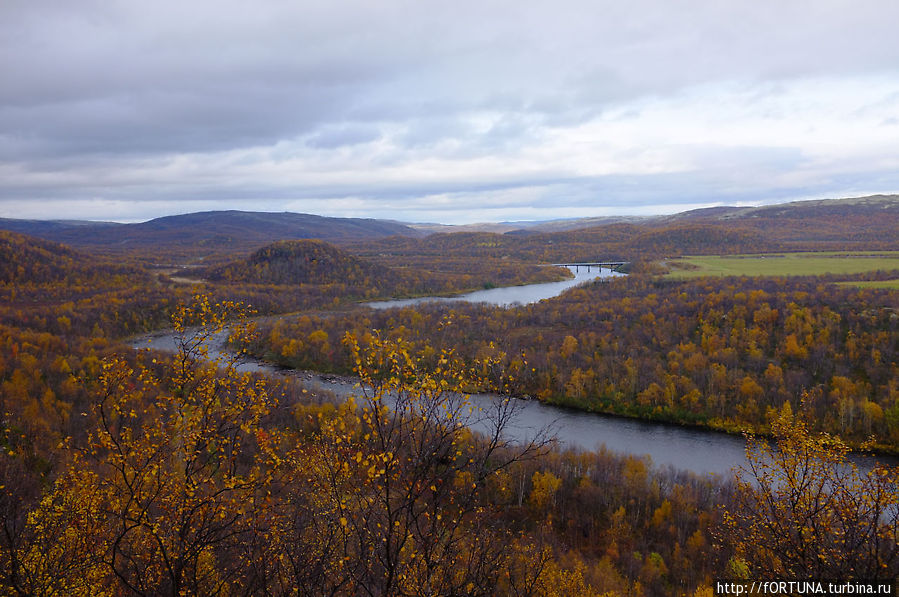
pixel 510 295
pixel 700 451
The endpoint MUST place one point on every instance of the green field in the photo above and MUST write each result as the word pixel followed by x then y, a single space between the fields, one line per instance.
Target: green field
pixel 893 284
pixel 787 264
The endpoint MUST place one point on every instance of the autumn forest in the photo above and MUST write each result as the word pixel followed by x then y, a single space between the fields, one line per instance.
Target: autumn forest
pixel 176 472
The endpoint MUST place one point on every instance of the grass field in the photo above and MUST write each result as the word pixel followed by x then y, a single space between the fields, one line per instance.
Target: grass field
pixel 894 284
pixel 787 264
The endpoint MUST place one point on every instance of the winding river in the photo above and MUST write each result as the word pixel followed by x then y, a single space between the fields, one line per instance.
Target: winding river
pixel 510 296
pixel 697 450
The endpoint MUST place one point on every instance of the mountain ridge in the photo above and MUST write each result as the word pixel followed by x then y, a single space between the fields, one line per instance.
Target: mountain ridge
pixel 217 232
pixel 209 232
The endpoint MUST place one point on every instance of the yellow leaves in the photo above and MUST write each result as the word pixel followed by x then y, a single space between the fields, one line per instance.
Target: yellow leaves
pixel 804 504
pixel 380 475
pixel 161 457
pixel 545 486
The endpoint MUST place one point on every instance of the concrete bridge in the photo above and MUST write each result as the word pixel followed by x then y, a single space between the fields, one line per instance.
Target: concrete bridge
pixel 612 265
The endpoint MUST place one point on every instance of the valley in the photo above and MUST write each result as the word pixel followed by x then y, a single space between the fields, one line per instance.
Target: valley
pixel 781 322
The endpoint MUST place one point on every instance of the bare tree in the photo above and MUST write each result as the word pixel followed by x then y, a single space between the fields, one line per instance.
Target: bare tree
pixel 397 481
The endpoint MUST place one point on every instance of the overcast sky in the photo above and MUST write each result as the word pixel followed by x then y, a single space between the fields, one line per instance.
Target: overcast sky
pixel 447 112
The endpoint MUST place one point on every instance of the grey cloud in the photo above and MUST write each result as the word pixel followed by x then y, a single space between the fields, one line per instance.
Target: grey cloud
pixel 332 137
pixel 253 64
pixel 425 133
pixel 95 86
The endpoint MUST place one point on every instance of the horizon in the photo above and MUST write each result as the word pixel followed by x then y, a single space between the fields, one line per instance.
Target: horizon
pixel 471 223
pixel 464 224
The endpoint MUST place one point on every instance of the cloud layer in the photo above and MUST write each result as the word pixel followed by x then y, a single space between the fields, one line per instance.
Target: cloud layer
pixel 447 112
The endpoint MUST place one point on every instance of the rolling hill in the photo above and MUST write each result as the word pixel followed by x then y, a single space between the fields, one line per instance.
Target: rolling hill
pixel 216 236
pixel 830 223
pixel 214 231
pixel 300 262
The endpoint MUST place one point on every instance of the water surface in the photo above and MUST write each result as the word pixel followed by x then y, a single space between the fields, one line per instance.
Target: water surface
pixel 510 295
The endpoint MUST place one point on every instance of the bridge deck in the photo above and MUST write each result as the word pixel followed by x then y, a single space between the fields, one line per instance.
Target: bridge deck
pixel 592 263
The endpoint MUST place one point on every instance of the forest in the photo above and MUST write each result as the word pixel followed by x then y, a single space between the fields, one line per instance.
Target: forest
pixel 725 353
pixel 149 473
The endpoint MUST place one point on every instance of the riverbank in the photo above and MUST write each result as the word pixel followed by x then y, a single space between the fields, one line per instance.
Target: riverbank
pixel 699 451
pixel 311 342
pixel 697 448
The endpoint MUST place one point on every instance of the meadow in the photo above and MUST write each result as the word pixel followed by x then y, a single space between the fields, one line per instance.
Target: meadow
pixel 787 264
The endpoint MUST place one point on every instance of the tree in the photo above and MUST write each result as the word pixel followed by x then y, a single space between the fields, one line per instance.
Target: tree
pixel 394 487
pixel 804 510
pixel 162 499
pixel 187 483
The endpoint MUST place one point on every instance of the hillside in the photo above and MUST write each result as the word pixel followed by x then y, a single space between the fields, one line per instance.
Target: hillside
pixel 832 223
pixel 618 242
pixel 843 224
pixel 869 219
pixel 28 260
pixel 24 259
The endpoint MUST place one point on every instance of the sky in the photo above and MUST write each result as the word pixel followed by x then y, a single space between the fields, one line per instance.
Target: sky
pixel 450 112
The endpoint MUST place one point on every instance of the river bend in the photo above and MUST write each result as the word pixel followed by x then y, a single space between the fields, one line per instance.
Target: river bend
pixel 700 451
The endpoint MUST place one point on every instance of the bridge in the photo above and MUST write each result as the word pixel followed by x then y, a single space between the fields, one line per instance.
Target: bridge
pixel 612 265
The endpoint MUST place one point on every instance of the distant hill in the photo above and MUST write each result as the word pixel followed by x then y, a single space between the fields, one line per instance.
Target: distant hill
pixel 301 262
pixel 876 205
pixel 49 229
pixel 212 230
pixel 825 220
pixel 529 227
pixel 870 221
